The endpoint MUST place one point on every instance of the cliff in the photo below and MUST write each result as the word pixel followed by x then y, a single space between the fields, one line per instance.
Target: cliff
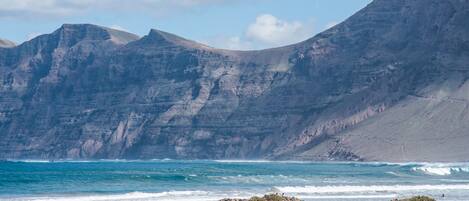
pixel 387 84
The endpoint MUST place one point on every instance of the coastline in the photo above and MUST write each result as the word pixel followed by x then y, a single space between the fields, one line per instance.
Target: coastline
pixel 204 180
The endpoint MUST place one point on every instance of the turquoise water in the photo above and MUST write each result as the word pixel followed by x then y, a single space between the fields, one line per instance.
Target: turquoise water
pixel 213 180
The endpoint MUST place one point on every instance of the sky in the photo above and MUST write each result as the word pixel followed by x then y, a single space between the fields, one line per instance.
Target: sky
pixel 227 24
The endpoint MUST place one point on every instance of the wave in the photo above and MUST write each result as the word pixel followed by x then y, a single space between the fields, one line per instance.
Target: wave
pixel 28 161
pixel 389 196
pixel 260 179
pixel 240 161
pixel 243 161
pixel 48 161
pixel 265 161
pixel 163 196
pixel 368 189
pixel 440 169
pixel 187 196
pixel 84 161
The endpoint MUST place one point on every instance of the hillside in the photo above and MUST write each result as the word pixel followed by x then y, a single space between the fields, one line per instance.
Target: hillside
pixel 387 84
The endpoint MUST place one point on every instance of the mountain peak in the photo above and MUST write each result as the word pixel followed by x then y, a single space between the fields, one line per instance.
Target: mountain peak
pixel 70 34
pixel 159 35
pixel 165 38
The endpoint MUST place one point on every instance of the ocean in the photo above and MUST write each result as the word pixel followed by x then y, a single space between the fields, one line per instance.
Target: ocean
pixel 174 180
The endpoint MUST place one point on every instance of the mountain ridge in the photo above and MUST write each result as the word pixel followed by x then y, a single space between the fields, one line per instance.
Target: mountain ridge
pixel 87 91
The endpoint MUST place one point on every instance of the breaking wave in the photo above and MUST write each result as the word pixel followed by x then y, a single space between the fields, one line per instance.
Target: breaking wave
pixel 367 189
pixel 335 197
pixel 140 196
pixel 442 169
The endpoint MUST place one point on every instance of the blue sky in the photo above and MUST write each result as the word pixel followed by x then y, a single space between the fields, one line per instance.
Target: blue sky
pixel 230 24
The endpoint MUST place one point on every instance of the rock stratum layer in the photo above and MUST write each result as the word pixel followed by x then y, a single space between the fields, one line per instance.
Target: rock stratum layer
pixel 388 84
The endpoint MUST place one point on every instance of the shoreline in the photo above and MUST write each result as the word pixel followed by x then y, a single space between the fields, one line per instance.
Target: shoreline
pixel 234 161
pixel 283 197
pixel 171 180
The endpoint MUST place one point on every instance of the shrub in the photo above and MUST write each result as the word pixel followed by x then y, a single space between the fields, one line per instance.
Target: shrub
pixel 418 198
pixel 270 197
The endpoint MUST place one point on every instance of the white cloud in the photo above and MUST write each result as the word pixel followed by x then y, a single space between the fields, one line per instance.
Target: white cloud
pixel 266 31
pixel 237 43
pixel 194 2
pixel 54 8
pixel 270 30
pixel 231 43
pixel 117 27
pixel 29 8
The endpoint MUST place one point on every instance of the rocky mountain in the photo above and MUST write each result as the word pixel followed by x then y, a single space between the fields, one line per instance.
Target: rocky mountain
pixel 387 84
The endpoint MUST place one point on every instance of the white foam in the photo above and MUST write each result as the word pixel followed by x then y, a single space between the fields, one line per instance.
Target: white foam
pixel 29 161
pixel 141 196
pixel 186 196
pixel 433 170
pixel 393 173
pixel 372 188
pixel 163 196
pixel 348 196
pixel 263 161
pixel 49 161
pixel 243 161
pixel 441 169
pixel 85 161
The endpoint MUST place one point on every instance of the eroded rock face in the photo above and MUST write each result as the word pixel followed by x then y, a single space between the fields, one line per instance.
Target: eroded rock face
pixel 86 91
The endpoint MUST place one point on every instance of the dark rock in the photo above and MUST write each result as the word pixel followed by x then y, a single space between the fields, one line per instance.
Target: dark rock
pixel 389 83
pixel 417 198
pixel 270 197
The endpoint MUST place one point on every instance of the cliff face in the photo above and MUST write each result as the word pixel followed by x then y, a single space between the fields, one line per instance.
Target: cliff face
pixel 389 83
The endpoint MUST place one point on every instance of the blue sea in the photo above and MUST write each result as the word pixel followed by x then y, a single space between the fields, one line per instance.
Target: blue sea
pixel 173 180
